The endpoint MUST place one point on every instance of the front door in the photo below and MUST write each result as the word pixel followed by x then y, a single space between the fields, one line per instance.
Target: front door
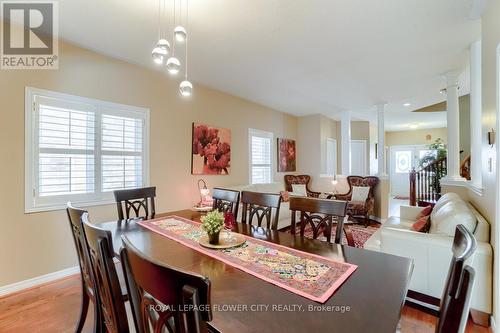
pixel 403 160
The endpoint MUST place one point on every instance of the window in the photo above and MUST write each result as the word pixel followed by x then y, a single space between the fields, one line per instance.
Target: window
pixel 403 161
pixel 260 156
pixel 80 150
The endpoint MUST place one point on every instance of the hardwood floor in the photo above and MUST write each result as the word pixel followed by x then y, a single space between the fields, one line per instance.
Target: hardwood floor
pixel 54 307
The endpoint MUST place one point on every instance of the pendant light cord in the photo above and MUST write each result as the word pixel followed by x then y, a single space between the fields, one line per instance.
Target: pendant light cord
pixel 173 31
pixel 159 19
pixel 188 33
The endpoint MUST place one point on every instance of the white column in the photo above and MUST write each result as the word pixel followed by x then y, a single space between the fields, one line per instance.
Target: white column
pixel 381 140
pixel 453 124
pixel 475 114
pixel 345 132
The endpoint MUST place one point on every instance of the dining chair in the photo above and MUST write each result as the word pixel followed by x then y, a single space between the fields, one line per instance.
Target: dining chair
pixel 135 199
pixel 87 277
pixel 320 215
pixel 111 296
pixel 226 200
pixel 261 206
pixel 454 308
pixel 165 298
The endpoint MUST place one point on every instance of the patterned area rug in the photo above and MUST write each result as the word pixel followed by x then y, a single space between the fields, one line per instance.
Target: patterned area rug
pixel 360 233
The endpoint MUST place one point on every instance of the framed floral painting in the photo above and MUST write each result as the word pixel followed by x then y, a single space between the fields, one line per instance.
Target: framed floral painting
pixel 287 155
pixel 211 150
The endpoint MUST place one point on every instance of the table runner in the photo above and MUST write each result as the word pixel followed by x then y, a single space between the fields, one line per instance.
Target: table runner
pixel 302 273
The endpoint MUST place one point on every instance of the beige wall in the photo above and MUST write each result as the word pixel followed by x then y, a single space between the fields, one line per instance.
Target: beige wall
pixel 35 244
pixel 414 137
pixel 487 203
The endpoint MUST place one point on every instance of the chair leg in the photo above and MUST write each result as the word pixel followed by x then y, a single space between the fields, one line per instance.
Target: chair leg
pixel 98 322
pixel 83 312
pixel 348 236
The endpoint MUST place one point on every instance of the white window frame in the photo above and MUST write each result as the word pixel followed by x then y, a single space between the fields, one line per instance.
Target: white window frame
pixel 32 202
pixel 264 134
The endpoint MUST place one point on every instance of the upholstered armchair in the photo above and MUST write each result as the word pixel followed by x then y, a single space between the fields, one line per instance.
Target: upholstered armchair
pixel 354 208
pixel 300 180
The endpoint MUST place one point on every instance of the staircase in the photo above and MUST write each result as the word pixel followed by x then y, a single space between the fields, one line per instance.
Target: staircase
pixel 425 186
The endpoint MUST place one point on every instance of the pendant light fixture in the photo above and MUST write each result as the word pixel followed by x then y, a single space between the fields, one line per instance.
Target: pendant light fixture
pixel 160 51
pixel 186 87
pixel 173 64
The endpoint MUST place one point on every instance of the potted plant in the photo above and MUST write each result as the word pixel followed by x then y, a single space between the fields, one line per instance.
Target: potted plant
pixel 212 224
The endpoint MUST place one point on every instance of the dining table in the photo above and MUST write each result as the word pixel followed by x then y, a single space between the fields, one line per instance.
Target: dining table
pixel 370 300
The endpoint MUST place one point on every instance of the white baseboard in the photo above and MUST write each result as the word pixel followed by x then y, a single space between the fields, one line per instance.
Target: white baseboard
pixel 493 324
pixel 12 288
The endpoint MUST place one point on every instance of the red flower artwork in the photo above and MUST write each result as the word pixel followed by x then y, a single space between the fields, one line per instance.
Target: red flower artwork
pixel 211 151
pixel 287 156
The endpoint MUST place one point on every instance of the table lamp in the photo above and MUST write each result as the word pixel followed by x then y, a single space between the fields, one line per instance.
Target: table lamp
pixel 204 192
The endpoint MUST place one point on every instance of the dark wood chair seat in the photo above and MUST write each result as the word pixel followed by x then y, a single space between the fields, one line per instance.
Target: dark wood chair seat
pixel 261 206
pixel 226 200
pixel 135 200
pixel 109 290
pixel 454 308
pixel 87 276
pixel 157 292
pixel 319 214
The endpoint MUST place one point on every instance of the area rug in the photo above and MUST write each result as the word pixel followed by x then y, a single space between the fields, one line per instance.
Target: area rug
pixel 360 233
pixel 302 273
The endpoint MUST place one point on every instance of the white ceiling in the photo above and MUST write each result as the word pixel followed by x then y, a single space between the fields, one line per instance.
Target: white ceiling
pixel 301 57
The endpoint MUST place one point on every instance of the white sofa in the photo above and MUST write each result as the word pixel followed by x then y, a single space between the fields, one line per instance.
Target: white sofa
pixel 431 252
pixel 285 215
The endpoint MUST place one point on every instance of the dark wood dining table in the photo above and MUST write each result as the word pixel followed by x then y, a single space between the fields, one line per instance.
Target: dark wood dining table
pixel 369 301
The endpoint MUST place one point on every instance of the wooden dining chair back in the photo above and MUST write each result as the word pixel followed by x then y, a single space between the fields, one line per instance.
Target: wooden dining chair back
pixel 262 206
pixel 319 214
pixel 135 200
pixel 162 295
pixel 454 308
pixel 226 200
pixel 111 301
pixel 87 278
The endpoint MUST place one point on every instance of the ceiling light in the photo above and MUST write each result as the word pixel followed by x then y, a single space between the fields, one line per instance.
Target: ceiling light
pixel 186 88
pixel 158 55
pixel 180 34
pixel 413 126
pixel 173 65
pixel 162 48
pixel 443 91
pixel 164 45
pixel 407 104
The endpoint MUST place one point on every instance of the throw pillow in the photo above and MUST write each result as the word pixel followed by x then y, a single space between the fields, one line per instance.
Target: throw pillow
pixel 423 224
pixel 284 196
pixel 360 193
pixel 299 190
pixel 424 212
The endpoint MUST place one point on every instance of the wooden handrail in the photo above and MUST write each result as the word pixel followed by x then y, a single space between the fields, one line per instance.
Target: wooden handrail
pixel 424 183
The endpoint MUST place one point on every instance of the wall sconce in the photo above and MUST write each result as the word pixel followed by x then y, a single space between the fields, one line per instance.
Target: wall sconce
pixel 334 183
pixel 204 192
pixel 491 137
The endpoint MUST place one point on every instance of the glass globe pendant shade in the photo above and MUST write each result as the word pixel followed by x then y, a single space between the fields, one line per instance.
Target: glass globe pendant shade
pixel 173 65
pixel 186 88
pixel 159 55
pixel 180 34
pixel 164 44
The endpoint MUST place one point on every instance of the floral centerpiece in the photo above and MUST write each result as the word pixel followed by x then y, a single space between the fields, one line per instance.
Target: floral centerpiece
pixel 212 224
